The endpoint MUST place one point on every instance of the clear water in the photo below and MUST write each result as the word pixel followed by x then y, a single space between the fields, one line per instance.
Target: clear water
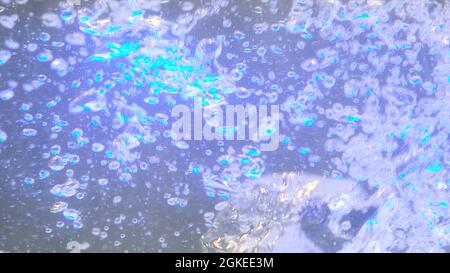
pixel 88 162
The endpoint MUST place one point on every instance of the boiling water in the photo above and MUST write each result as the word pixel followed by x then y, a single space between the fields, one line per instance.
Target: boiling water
pixel 88 161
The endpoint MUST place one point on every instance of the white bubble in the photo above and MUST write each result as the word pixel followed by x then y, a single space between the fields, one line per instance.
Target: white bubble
pixel 29 132
pixel 51 20
pixel 3 136
pixel 5 55
pixel 59 65
pixel 71 214
pixel 58 207
pixel 57 163
pixel 9 21
pixel 97 147
pixel 76 39
pixel 310 64
pixel 67 189
pixel 103 181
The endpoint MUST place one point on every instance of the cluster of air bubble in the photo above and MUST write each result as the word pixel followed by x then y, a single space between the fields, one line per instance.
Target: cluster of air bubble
pixel 138 64
pixel 379 85
pixel 157 57
pixel 370 77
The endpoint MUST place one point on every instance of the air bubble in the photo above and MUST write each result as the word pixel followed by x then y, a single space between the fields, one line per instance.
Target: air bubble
pixel 6 95
pixel 57 163
pixel 3 136
pixel 71 214
pixel 67 189
pixel 239 35
pixel 59 206
pixel 9 22
pixel 97 147
pixel 310 65
pixel 5 55
pixel 28 180
pixel 103 181
pixel 51 20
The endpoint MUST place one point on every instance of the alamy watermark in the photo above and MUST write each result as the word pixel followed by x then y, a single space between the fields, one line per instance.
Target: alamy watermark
pixel 239 122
